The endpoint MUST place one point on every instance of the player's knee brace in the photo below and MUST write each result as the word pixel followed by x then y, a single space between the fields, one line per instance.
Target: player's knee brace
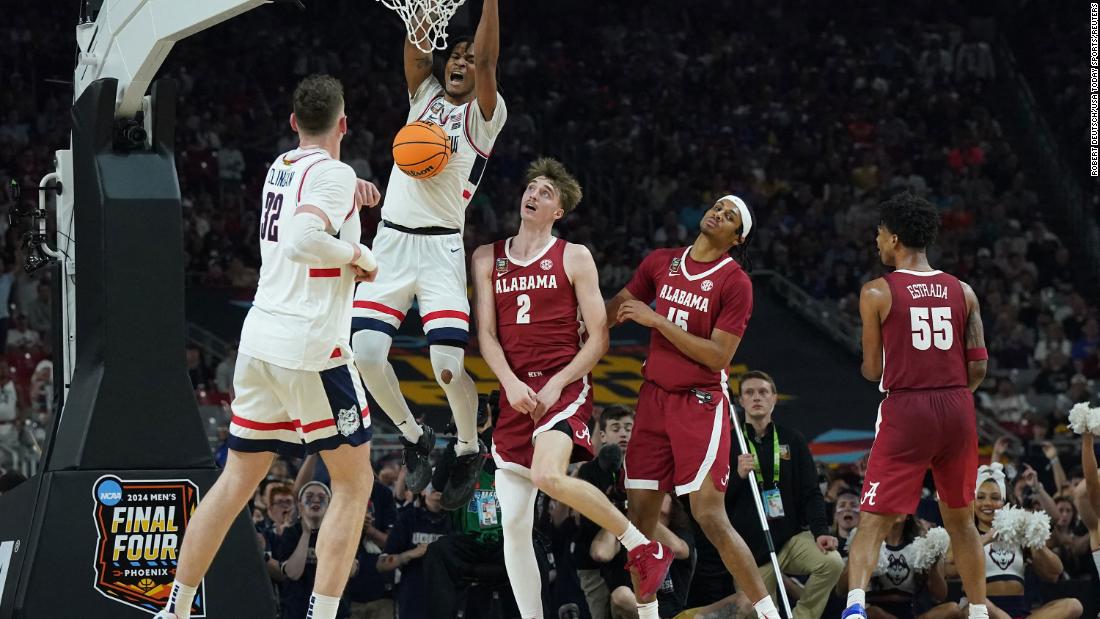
pixel 371 350
pixel 447 363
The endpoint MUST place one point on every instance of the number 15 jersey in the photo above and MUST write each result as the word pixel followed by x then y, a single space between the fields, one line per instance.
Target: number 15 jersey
pixel 698 297
pixel 923 335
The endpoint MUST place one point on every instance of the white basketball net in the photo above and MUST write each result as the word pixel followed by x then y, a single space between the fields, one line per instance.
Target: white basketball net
pixel 425 20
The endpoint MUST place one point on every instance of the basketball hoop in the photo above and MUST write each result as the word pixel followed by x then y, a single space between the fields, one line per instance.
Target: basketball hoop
pixel 425 20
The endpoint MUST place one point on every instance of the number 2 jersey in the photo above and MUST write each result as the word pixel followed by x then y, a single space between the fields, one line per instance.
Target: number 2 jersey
pixel 301 317
pixel 698 297
pixel 537 320
pixel 923 336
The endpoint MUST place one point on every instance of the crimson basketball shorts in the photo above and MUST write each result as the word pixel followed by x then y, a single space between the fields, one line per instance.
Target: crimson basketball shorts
pixel 428 267
pixel 276 409
pixel 679 438
pixel 918 430
pixel 515 432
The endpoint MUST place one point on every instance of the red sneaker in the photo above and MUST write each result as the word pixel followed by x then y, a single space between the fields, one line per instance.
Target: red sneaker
pixel 650 563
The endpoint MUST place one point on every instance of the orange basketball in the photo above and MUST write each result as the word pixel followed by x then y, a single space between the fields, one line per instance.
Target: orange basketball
pixel 421 149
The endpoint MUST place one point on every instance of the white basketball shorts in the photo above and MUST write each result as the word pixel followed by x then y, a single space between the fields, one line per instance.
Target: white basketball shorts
pixel 429 267
pixel 278 410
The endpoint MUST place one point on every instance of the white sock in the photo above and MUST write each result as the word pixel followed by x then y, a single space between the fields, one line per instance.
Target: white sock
pixel 180 599
pixel 857 596
pixel 978 611
pixel 632 538
pixel 765 609
pixel 371 351
pixel 648 611
pixel 517 510
pixel 322 606
pixel 461 394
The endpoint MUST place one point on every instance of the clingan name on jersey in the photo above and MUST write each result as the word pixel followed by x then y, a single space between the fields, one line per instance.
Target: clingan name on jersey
pixel 919 291
pixel 526 282
pixel 280 178
pixel 687 299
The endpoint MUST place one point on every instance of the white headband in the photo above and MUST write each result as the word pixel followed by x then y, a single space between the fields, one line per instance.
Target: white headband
pixel 746 216
pixel 993 472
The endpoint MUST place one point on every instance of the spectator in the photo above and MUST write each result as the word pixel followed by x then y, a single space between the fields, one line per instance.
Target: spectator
pixel 1089 342
pixel 296 552
pixel 21 335
pixel 1008 406
pixel 418 524
pixel 39 311
pixel 845 519
pixel 9 410
pixel 1078 392
pixel 792 499
pixel 370 591
pixel 223 375
pixel 1069 538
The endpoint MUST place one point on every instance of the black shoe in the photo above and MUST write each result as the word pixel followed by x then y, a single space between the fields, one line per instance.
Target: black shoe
pixel 418 463
pixel 462 480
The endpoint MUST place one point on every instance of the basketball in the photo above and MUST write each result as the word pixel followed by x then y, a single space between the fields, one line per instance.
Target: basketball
pixel 421 149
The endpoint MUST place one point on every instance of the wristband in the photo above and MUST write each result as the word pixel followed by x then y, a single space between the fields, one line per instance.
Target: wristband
pixel 977 354
pixel 366 259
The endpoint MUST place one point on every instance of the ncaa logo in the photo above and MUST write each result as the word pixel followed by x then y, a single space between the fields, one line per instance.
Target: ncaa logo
pixel 547 264
pixel 707 285
pixel 109 492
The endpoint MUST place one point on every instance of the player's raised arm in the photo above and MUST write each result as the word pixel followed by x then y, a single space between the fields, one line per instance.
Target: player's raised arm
pixel 418 64
pixel 581 268
pixel 519 395
pixel 486 53
pixel 874 303
pixel 976 355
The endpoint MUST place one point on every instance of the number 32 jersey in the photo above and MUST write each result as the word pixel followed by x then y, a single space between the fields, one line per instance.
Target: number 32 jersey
pixel 537 320
pixel 923 335
pixel 301 317
pixel 698 297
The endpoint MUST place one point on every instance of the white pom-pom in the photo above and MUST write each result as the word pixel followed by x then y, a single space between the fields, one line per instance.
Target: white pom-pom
pixel 1084 419
pixel 930 548
pixel 1017 526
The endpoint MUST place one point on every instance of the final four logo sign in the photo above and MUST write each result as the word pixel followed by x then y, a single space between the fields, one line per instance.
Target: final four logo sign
pixel 140 525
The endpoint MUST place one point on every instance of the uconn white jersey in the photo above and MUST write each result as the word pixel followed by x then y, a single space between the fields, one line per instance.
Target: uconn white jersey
pixel 442 199
pixel 301 318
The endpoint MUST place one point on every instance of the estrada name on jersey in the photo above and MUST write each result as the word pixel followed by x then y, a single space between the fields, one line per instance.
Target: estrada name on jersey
pixel 441 201
pixel 301 317
pixel 923 335
pixel 697 297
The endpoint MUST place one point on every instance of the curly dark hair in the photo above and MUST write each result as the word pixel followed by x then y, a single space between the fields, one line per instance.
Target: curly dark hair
pixel 913 219
pixel 317 102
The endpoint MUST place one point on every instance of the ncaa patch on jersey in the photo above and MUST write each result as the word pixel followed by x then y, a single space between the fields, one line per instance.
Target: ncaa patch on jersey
pixel 502 266
pixel 707 285
pixel 140 525
pixel 674 267
pixel 547 264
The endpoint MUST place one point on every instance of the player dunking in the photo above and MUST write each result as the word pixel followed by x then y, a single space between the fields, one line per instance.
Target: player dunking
pixel 529 289
pixel 923 339
pixel 682 429
pixel 421 255
pixel 294 380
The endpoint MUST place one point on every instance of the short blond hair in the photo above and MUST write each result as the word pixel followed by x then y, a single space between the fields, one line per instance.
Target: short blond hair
pixel 569 190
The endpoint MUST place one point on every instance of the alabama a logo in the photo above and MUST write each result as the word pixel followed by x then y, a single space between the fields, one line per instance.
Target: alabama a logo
pixel 674 268
pixel 140 524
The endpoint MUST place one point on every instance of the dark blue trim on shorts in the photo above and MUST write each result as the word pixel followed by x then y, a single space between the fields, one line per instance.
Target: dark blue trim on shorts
pixel 283 448
pixel 342 402
pixel 448 334
pixel 360 323
pixel 362 436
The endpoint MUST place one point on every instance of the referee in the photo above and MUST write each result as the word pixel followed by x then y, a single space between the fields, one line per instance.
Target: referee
pixel 780 460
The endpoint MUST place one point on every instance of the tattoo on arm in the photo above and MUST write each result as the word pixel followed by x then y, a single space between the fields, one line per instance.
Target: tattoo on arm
pixel 424 61
pixel 975 333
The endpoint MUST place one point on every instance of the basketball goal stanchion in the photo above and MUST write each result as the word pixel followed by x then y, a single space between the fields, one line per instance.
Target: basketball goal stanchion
pixel 779 586
pixel 425 20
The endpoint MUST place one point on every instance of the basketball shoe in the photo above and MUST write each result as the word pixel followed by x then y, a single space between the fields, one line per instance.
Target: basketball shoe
pixel 417 459
pixel 855 610
pixel 650 563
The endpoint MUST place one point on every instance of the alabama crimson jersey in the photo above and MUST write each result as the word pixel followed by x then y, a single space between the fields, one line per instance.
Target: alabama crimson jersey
pixel 301 317
pixel 698 297
pixel 923 335
pixel 537 321
pixel 441 201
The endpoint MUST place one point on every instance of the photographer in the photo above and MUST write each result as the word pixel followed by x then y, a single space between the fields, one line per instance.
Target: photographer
pixel 606 473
